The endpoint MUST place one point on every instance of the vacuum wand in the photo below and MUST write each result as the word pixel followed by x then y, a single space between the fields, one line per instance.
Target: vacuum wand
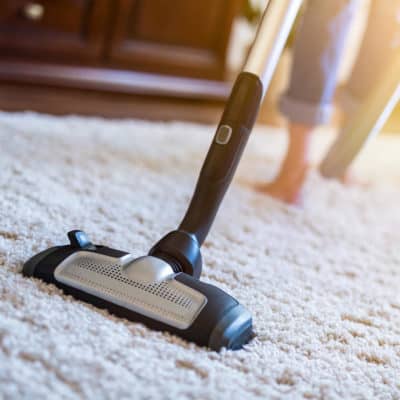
pixel 239 116
pixel 224 155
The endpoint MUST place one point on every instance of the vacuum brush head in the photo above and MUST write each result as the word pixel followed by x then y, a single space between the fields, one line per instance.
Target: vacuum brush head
pixel 145 289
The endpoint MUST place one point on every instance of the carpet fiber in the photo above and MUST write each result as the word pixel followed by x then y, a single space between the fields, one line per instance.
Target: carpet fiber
pixel 321 279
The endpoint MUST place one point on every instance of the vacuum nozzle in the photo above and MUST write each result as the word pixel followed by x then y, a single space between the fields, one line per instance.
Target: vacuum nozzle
pixel 144 289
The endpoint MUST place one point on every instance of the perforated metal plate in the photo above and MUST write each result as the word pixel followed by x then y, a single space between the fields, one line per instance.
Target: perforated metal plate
pixel 169 301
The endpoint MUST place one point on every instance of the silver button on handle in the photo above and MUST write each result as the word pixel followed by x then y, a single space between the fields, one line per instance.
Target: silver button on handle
pixel 33 11
pixel 223 135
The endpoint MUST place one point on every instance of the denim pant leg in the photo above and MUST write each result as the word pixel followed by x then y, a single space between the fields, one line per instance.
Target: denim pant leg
pixel 380 44
pixel 318 47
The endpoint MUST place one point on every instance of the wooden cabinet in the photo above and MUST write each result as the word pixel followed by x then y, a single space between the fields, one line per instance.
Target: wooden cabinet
pixel 85 50
pixel 173 37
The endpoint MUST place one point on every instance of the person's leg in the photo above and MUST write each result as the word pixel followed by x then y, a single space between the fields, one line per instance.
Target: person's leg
pixel 365 123
pixel 318 46
pixel 380 46
pixel 294 167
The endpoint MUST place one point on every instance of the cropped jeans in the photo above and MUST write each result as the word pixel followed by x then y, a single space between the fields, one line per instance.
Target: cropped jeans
pixel 319 44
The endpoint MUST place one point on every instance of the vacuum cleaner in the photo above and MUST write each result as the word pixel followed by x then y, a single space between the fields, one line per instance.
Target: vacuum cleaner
pixel 162 289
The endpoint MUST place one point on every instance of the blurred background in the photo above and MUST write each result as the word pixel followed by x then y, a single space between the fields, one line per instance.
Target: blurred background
pixel 153 59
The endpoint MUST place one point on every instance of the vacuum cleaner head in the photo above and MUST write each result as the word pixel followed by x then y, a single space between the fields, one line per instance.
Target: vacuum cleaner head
pixel 145 289
pixel 163 289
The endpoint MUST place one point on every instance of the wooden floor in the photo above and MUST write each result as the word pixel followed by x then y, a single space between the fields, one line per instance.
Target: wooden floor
pixel 18 97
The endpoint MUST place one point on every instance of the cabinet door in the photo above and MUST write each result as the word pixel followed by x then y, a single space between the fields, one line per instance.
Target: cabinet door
pixel 71 30
pixel 179 37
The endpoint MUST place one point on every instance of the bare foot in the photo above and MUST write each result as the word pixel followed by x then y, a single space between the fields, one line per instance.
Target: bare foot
pixel 351 179
pixel 286 187
pixel 290 180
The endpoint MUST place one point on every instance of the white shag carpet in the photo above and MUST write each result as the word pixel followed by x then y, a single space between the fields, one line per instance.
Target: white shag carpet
pixel 322 279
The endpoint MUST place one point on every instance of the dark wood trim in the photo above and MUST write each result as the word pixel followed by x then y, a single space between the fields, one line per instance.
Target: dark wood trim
pixel 112 80
pixel 23 97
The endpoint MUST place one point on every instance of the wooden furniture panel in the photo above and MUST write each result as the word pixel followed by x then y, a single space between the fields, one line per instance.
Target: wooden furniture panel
pixel 178 37
pixel 53 30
